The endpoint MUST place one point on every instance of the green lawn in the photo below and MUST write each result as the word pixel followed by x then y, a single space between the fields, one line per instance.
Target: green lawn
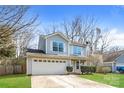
pixel 15 81
pixel 116 80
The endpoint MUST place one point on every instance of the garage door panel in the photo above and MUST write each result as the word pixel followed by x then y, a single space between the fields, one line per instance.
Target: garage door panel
pixel 48 68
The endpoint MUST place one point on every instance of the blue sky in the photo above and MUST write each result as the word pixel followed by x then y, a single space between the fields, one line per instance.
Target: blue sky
pixel 108 17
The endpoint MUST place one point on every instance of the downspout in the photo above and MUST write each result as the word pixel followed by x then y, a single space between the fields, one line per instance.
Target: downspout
pixel 46 45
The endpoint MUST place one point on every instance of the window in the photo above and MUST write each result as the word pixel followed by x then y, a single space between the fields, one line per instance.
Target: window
pixel 58 46
pixel 77 50
pixel 44 60
pixel 55 46
pixel 35 60
pixel 61 47
pixel 48 60
pixel 77 65
pixel 40 60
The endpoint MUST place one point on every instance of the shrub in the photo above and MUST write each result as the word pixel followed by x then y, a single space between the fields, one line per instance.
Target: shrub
pixel 93 69
pixel 88 69
pixel 99 69
pixel 69 68
pixel 104 69
pixel 84 69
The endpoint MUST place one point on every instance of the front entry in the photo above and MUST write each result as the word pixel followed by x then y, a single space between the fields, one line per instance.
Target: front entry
pixel 76 66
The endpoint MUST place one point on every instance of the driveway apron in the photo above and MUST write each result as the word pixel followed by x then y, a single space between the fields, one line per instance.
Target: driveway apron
pixel 64 81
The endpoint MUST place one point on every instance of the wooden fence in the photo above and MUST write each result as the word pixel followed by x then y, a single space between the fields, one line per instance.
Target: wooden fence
pixel 12 69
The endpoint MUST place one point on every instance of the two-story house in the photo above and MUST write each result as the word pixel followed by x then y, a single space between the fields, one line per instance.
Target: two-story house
pixel 55 52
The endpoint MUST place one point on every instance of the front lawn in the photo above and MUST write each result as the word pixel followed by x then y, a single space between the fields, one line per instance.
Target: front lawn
pixel 116 80
pixel 15 81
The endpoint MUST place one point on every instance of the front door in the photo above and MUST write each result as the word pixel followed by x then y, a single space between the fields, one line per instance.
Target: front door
pixel 76 66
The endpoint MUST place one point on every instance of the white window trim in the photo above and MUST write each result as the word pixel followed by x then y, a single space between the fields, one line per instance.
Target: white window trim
pixel 76 54
pixel 58 42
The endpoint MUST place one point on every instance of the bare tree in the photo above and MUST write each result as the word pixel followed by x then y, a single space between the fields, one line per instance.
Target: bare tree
pixel 22 41
pixel 95 60
pixel 82 30
pixel 72 29
pixel 88 28
pixel 104 42
pixel 15 24
pixel 115 49
pixel 52 28
pixel 12 20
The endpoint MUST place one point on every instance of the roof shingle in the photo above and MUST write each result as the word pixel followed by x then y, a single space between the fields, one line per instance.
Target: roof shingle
pixel 35 51
pixel 112 56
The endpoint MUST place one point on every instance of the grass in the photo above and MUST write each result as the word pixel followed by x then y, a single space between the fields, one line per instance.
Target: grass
pixel 116 80
pixel 15 81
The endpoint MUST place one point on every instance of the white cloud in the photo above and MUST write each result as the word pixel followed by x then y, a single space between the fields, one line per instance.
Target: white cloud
pixel 117 37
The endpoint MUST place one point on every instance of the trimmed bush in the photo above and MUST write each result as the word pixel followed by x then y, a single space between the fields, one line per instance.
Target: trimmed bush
pixel 88 69
pixel 104 69
pixel 69 68
pixel 99 69
pixel 93 69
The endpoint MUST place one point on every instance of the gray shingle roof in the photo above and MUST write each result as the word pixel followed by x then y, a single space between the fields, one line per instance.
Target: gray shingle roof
pixel 35 51
pixel 112 56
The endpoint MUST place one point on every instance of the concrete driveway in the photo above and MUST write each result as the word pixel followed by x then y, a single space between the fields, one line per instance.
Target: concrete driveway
pixel 64 81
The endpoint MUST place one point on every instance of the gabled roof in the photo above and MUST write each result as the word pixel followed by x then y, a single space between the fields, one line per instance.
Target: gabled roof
pixel 57 33
pixel 112 56
pixel 35 51
pixel 64 37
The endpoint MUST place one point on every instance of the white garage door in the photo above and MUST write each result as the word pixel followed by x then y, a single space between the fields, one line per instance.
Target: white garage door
pixel 48 67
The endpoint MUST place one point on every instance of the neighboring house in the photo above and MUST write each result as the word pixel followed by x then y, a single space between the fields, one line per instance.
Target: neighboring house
pixel 55 52
pixel 115 60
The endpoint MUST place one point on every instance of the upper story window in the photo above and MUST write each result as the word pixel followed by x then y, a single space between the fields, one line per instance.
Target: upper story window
pixel 77 50
pixel 58 46
pixel 55 46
